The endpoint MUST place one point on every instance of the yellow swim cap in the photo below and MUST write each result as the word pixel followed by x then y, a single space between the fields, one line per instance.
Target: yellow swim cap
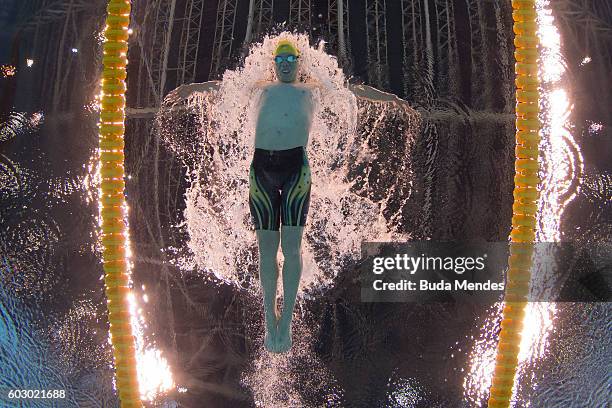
pixel 286 46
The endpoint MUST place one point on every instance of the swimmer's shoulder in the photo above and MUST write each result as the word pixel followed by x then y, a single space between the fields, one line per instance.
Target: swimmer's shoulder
pixel 309 89
pixel 263 85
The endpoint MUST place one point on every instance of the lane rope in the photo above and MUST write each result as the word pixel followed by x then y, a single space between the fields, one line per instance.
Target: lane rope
pixel 526 194
pixel 112 200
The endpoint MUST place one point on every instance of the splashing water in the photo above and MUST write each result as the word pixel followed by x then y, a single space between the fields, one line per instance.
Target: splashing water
pixel 275 379
pixel 358 151
pixel 18 123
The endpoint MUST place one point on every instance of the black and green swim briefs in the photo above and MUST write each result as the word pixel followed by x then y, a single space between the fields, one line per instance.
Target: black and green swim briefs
pixel 279 188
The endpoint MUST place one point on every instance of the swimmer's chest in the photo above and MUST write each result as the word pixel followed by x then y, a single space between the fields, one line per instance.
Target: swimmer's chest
pixel 287 101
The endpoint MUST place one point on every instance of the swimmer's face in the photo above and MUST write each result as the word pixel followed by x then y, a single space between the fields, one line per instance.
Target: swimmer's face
pixel 286 66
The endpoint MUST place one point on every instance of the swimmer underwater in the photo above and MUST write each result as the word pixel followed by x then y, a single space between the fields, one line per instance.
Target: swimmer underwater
pixel 280 181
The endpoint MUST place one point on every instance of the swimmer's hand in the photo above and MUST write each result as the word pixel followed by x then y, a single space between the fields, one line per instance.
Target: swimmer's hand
pixel 373 94
pixel 183 92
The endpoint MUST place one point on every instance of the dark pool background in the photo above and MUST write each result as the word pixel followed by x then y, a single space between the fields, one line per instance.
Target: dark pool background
pixel 53 330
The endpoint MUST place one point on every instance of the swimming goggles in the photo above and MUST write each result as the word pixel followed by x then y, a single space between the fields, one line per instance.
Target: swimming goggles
pixel 289 58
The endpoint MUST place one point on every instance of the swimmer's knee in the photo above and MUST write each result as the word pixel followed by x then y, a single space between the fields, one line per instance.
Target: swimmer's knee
pixel 291 251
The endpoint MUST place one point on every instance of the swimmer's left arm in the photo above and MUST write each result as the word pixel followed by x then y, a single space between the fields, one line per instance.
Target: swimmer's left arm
pixel 185 91
pixel 364 91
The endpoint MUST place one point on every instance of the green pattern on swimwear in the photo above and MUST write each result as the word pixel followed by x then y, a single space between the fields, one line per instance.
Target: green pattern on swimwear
pixel 260 198
pixel 297 193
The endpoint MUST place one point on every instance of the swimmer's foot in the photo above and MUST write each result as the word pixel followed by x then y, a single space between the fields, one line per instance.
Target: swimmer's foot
pixel 283 338
pixel 270 341
pixel 271 334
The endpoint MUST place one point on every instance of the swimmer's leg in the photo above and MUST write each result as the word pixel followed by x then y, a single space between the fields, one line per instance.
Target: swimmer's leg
pixel 268 274
pixel 291 242
pixel 264 202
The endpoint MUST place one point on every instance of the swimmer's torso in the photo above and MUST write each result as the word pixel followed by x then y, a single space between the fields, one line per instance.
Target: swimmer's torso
pixel 285 116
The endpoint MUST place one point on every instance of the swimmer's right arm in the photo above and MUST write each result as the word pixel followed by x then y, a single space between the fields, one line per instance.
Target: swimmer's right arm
pixel 185 91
